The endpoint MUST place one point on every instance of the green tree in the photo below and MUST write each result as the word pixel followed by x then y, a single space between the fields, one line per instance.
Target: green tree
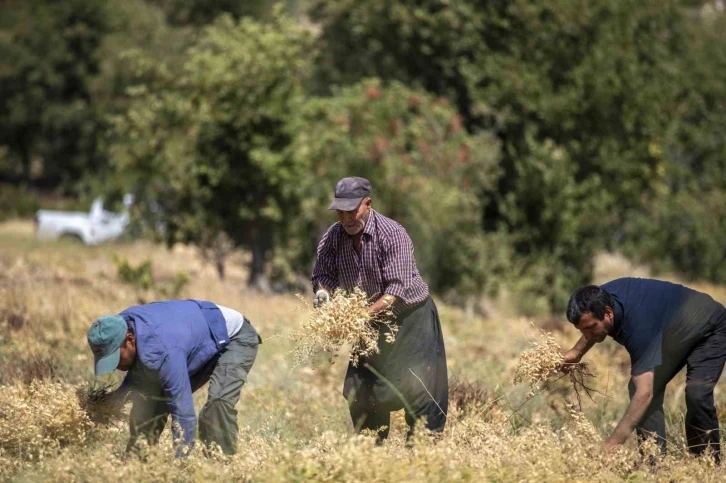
pixel 580 95
pixel 208 141
pixel 49 57
pixel 683 225
pixel 203 12
pixel 427 174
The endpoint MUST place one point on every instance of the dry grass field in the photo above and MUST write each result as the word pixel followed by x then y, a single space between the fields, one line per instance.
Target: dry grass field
pixel 294 422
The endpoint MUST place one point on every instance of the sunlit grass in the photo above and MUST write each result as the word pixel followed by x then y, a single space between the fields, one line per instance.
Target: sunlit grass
pixel 294 422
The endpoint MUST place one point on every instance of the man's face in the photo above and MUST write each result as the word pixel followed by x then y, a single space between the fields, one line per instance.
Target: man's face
pixel 594 329
pixel 355 220
pixel 128 353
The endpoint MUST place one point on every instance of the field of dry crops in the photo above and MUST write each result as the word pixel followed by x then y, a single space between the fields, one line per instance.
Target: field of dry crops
pixel 294 422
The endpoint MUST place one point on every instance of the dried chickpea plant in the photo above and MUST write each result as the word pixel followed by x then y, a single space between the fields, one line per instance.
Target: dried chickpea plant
pixel 100 405
pixel 296 427
pixel 37 420
pixel 344 320
pixel 543 360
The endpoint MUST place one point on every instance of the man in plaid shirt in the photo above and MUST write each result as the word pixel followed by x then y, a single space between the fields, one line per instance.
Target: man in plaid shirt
pixel 367 250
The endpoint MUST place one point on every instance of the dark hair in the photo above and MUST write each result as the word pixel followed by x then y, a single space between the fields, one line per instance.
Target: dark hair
pixel 591 299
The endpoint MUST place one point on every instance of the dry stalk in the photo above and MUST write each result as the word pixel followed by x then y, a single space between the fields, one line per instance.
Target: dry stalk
pixel 343 320
pixel 545 359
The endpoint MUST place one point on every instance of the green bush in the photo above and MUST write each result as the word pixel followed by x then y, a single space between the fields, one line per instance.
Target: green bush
pixel 17 202
pixel 427 173
pixel 683 233
pixel 174 289
pixel 141 277
pixel 683 225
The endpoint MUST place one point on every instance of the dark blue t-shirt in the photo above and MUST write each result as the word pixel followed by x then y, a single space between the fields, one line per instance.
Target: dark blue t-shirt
pixel 658 320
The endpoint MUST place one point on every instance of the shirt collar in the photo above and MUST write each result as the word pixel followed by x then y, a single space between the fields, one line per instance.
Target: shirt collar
pixel 369 229
pixel 132 326
pixel 130 322
pixel 618 317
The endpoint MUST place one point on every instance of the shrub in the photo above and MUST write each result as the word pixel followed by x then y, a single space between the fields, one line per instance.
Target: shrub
pixel 426 173
pixel 682 232
pixel 17 202
pixel 141 277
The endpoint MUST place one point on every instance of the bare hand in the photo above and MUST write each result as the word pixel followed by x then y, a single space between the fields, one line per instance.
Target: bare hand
pixel 610 444
pixel 570 357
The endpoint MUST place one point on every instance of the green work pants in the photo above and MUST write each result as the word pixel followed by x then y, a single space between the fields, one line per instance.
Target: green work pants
pixel 217 421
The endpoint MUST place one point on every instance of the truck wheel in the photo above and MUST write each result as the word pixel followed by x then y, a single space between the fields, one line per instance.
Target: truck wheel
pixel 71 237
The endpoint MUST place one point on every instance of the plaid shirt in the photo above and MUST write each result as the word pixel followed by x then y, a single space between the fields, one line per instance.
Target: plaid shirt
pixel 386 264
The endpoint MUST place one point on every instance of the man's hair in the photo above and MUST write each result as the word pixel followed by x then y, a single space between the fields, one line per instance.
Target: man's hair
pixel 590 299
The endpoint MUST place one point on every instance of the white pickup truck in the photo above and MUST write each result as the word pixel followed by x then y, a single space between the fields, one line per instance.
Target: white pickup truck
pixel 94 227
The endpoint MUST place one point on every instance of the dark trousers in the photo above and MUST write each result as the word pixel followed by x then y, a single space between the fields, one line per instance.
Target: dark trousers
pixel 226 374
pixel 704 364
pixel 413 376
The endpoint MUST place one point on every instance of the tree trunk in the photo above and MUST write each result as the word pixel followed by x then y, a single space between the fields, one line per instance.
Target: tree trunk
pixel 258 278
pixel 220 256
pixel 26 161
pixel 219 263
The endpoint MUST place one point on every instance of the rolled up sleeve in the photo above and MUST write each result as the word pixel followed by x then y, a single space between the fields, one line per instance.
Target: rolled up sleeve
pixel 325 271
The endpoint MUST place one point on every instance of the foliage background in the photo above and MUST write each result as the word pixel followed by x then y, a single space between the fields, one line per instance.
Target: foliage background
pixel 519 142
pixel 513 139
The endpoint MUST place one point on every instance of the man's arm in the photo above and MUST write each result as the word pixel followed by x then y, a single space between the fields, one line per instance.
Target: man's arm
pixel 578 350
pixel 382 304
pixel 174 377
pixel 325 271
pixel 635 410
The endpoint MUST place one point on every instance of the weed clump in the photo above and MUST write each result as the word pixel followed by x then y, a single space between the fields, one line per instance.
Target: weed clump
pixel 343 320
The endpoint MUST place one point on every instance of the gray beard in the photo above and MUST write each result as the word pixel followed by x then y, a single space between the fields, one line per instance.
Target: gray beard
pixel 363 227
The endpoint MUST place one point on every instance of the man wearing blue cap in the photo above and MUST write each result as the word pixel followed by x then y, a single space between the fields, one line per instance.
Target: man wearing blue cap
pixel 169 350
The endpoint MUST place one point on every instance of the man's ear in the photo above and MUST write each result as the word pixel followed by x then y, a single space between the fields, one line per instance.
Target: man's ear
pixel 609 312
pixel 368 202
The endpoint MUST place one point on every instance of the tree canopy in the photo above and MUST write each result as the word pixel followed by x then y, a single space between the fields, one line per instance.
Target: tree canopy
pixel 513 139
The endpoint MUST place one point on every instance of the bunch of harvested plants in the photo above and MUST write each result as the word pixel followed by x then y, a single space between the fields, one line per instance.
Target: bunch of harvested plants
pixel 343 320
pixel 545 359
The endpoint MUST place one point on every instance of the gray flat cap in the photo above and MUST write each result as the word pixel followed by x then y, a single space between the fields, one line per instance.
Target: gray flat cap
pixel 349 192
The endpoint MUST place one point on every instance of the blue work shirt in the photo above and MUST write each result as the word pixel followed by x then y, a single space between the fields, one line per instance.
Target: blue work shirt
pixel 174 340
pixel 656 320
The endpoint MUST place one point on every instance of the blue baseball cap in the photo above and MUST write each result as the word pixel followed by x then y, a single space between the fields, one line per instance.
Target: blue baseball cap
pixel 105 338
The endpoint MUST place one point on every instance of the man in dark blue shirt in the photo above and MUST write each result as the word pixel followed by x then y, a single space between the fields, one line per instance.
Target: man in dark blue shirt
pixel 664 327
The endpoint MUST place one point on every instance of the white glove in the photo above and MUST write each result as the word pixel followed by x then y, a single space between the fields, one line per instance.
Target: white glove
pixel 321 297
